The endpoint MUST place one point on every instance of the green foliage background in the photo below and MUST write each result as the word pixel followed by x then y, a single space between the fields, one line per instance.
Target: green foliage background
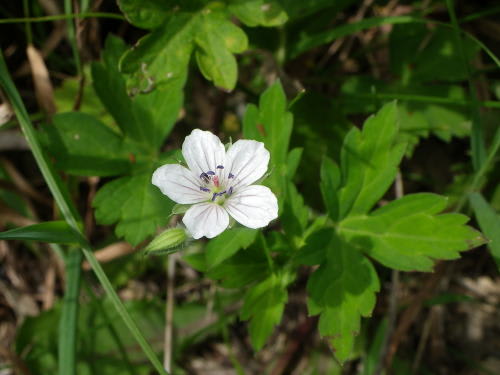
pixel 338 143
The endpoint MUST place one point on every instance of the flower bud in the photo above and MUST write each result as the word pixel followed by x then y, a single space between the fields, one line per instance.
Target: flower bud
pixel 167 242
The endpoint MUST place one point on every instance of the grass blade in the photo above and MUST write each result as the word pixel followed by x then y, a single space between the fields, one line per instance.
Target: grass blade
pixel 70 214
pixel 69 316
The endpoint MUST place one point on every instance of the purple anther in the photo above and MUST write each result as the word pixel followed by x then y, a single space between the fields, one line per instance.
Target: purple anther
pixel 204 189
pixel 230 191
pixel 214 196
pixel 220 167
pixel 211 173
pixel 222 193
pixel 230 175
pixel 203 175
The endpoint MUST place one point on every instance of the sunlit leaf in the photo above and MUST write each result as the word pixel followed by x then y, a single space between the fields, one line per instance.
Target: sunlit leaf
pixel 410 233
pixel 134 204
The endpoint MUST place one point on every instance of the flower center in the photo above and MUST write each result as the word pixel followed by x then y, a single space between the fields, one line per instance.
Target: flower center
pixel 217 184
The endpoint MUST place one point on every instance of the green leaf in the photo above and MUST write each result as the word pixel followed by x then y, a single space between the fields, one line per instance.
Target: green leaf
pixel 68 139
pixel 273 126
pixel 217 39
pixel 146 119
pixel 134 204
pixel 369 162
pixel 227 244
pixel 489 222
pixel 408 234
pixel 329 184
pixel 423 109
pixel 49 231
pixel 342 290
pixel 161 58
pixel 258 12
pixel 293 161
pixel 313 252
pixel 263 305
pixel 243 268
pixel 147 14
pixel 295 213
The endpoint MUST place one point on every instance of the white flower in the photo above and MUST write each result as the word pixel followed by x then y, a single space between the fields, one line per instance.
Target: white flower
pixel 218 184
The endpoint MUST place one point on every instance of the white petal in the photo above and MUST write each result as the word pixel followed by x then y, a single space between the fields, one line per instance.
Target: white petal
pixel 253 206
pixel 247 160
pixel 206 219
pixel 179 184
pixel 203 151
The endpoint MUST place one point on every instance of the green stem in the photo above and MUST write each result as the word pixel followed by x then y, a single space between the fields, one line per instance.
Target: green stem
pixel 476 183
pixel 69 212
pixel 425 99
pixel 68 9
pixel 63 17
pixel 477 136
pixel 29 34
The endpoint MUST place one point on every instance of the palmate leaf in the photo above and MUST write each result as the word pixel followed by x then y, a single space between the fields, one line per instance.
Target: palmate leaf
pixel 203 28
pixel 409 233
pixel 134 204
pixel 342 290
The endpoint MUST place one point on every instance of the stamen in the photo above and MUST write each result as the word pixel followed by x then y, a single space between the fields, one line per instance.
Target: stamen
pixel 211 173
pixel 230 191
pixel 214 196
pixel 220 167
pixel 204 189
pixel 203 174
pixel 230 175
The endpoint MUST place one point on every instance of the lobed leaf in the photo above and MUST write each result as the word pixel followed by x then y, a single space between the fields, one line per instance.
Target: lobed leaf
pixel 161 58
pixel 408 234
pixel 134 204
pixel 369 162
pixel 263 306
pixel 342 290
